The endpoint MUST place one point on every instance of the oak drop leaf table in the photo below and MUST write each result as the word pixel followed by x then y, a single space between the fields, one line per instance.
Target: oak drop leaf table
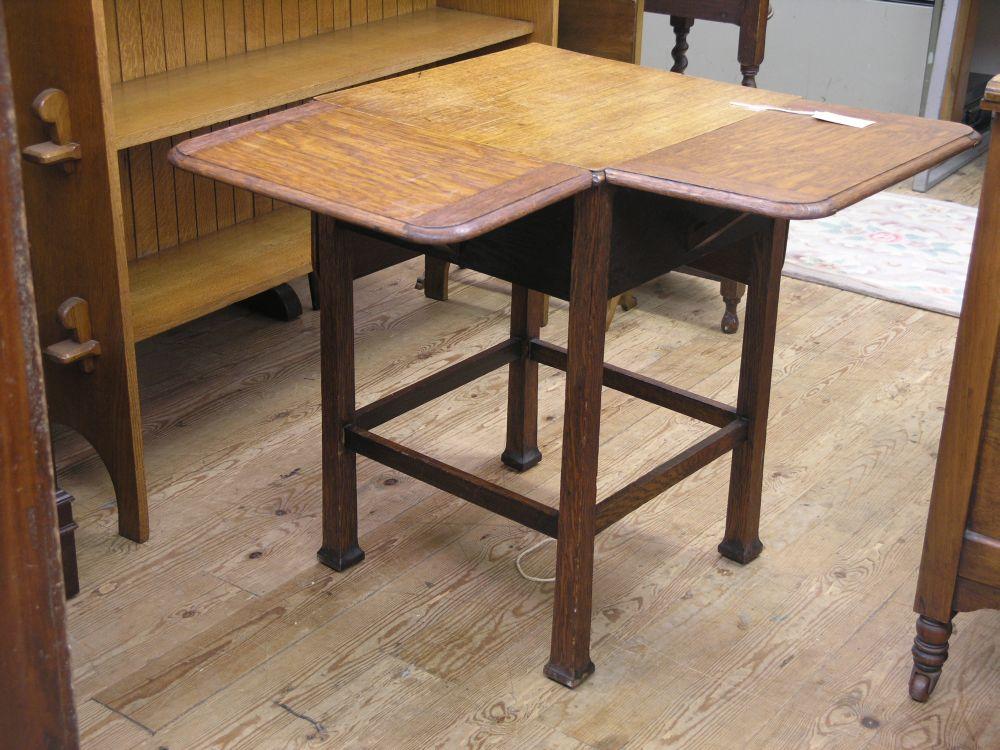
pixel 580 178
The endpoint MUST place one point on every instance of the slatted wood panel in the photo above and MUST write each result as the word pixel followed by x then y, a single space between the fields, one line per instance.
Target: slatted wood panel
pixel 165 207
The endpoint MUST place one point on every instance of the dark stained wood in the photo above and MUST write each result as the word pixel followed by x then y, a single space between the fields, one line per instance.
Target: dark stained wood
pixel 604 28
pixel 653 391
pixel 493 497
pixel 661 478
pixel 78 256
pixel 340 548
pixel 521 451
pixel 742 541
pixel 569 660
pixel 37 709
pixel 960 565
pixel 67 542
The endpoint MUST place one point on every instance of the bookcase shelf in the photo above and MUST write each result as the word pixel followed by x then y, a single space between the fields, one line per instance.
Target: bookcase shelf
pixel 206 274
pixel 166 104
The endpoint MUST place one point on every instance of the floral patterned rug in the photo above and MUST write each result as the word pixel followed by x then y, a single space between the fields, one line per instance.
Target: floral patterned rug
pixel 896 247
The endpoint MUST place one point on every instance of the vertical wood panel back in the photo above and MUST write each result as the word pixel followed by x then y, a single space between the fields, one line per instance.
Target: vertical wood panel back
pixel 165 207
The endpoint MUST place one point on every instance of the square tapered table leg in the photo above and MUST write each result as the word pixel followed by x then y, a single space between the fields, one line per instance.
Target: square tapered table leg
pixel 569 661
pixel 742 541
pixel 340 548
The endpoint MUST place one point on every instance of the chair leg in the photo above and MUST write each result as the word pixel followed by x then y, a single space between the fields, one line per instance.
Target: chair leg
pixel 681 27
pixel 569 662
pixel 732 293
pixel 742 541
pixel 930 651
pixel 522 451
pixel 750 75
pixel 340 548
pixel 435 278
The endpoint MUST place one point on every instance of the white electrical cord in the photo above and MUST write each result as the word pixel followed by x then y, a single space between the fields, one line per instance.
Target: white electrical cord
pixel 532 548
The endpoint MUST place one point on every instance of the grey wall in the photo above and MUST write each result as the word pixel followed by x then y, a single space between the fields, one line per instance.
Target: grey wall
pixel 864 53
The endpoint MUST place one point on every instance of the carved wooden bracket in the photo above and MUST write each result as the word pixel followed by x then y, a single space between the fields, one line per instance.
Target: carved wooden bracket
pixel 74 314
pixel 52 108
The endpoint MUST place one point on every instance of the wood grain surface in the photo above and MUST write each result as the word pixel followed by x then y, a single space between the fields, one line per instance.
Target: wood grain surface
pixel 37 709
pixel 418 185
pixel 531 105
pixel 180 100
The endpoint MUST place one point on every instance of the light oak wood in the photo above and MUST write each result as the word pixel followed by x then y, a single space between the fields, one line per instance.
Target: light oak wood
pixel 525 123
pixel 558 106
pixel 174 102
pixel 416 184
pixel 206 274
pixel 992 97
pixel 75 224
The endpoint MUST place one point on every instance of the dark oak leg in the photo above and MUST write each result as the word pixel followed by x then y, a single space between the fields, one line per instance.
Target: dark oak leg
pixel 930 651
pixel 679 53
pixel 569 663
pixel 732 293
pixel 522 451
pixel 340 548
pixel 313 290
pixel 67 541
pixel 746 480
pixel 750 75
pixel 435 279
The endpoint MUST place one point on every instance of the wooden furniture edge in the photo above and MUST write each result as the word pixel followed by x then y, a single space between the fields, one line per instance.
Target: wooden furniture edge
pixel 558 181
pixel 125 137
pixel 991 100
pixel 785 209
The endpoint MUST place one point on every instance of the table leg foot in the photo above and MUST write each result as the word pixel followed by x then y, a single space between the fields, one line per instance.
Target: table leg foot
pixel 568 676
pixel 342 560
pixel 521 460
pixel 740 552
pixel 930 651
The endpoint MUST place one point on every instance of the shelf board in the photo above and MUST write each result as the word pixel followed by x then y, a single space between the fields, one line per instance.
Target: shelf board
pixel 166 104
pixel 204 275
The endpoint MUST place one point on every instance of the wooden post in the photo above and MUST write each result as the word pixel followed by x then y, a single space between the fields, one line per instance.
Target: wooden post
pixel 742 542
pixel 522 451
pixel 569 662
pixel 37 708
pixel 340 548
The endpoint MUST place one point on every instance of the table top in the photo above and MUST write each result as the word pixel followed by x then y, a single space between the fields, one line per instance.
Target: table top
pixel 452 152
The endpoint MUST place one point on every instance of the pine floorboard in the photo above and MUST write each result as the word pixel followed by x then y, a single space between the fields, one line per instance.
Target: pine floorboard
pixel 224 631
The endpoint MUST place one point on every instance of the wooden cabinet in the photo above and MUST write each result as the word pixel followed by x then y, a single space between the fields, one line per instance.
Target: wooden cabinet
pixel 960 568
pixel 150 247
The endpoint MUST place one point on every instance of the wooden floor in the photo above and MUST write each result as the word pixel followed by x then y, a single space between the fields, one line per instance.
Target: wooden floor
pixel 224 631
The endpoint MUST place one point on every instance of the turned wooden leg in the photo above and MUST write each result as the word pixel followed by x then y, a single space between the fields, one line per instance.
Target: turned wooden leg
pixel 435 279
pixel 522 451
pixel 930 651
pixel 750 75
pixel 746 480
pixel 732 293
pixel 679 53
pixel 569 662
pixel 340 548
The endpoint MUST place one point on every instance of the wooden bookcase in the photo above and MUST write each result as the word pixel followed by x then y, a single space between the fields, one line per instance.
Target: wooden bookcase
pixel 150 247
